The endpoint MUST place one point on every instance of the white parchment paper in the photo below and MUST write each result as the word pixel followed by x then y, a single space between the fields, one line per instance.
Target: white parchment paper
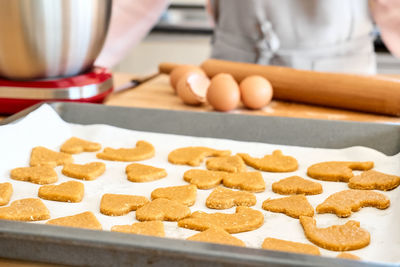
pixel 45 128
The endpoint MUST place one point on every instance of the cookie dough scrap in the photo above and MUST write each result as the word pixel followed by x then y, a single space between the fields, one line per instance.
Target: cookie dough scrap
pixel 6 191
pixel 294 185
pixel 217 235
pixel 293 206
pixel 194 155
pixel 43 156
pixel 349 236
pixel 142 151
pixel 184 194
pixel 153 228
pixel 140 173
pixel 245 219
pixel 337 171
pixel 371 179
pixel 37 175
pixel 162 209
pixel 27 209
pixel 117 205
pixel 71 191
pixel 223 198
pixel 248 181
pixel 276 162
pixel 75 145
pixel 204 179
pixel 85 220
pixel 289 246
pixel 226 164
pixel 89 171
pixel 348 256
pixel 344 202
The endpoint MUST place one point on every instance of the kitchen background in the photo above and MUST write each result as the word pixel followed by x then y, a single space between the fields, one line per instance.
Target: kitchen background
pixel 183 35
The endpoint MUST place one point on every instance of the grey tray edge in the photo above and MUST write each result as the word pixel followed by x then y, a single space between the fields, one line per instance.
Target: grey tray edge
pixel 105 248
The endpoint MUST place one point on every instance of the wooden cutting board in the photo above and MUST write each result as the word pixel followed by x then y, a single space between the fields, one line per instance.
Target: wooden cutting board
pixel 157 93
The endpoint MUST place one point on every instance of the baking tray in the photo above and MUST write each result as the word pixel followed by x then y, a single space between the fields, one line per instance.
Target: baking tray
pixel 45 243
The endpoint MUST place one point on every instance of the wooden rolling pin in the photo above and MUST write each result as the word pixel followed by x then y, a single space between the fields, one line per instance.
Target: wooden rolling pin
pixel 356 92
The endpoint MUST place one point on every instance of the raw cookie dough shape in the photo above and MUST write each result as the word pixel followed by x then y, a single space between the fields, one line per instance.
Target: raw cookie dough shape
pixel 226 164
pixel 348 256
pixel 277 162
pixel 140 173
pixel 75 145
pixel 348 236
pixel 371 179
pixel 248 181
pixel 294 185
pixel 289 246
pixel 194 155
pixel 153 228
pixel 245 219
pixel 204 179
pixel 27 209
pixel 6 191
pixel 184 194
pixel 216 235
pixel 142 151
pixel 337 171
pixel 89 171
pixel 344 202
pixel 223 198
pixel 85 220
pixel 293 206
pixel 43 156
pixel 117 205
pixel 162 209
pixel 71 191
pixel 36 175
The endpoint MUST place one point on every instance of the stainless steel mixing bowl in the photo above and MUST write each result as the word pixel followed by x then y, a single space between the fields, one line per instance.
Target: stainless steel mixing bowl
pixel 51 38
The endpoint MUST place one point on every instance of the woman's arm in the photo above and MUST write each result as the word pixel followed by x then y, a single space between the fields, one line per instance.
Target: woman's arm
pixel 131 20
pixel 386 14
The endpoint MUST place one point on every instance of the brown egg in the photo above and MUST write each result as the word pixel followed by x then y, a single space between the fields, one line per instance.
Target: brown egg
pixel 256 92
pixel 192 88
pixel 223 93
pixel 182 70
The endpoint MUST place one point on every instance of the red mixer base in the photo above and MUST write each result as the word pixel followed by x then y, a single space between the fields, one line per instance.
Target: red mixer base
pixel 90 87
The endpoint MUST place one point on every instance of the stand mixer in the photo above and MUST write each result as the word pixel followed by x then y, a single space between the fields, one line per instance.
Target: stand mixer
pixel 47 51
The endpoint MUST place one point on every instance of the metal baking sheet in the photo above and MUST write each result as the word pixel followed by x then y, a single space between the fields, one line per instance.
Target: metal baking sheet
pixel 46 243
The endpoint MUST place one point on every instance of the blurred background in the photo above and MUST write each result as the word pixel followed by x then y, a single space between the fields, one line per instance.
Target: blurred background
pixel 183 35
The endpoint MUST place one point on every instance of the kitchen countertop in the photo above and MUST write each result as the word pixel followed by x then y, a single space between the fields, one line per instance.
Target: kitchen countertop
pixel 157 93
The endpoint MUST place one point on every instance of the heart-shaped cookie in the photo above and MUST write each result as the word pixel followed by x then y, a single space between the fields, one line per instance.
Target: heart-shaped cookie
pixel 71 191
pixel 88 171
pixel 223 198
pixel 6 191
pixel 245 219
pixel 38 174
pixel 43 156
pixel 337 171
pixel 185 194
pixel 293 206
pixel 153 228
pixel 142 151
pixel 277 162
pixel 75 145
pixel 194 155
pixel 162 209
pixel 117 205
pixel 204 179
pixel 348 236
pixel 144 173
pixel 226 164
pixel 27 209
pixel 249 181
pixel 85 220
